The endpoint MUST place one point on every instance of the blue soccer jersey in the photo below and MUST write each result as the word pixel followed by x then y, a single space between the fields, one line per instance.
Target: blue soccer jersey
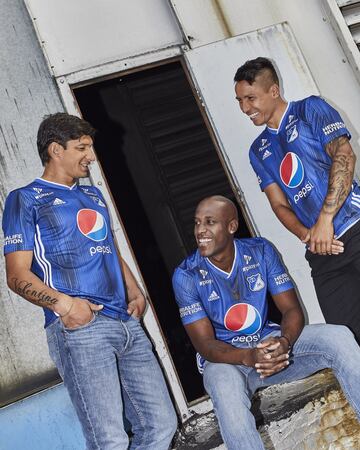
pixel 294 157
pixel 68 230
pixel 236 302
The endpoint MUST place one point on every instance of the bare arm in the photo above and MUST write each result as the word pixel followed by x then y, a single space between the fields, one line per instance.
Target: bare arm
pixel 283 211
pixel 340 180
pixel 74 311
pixel 288 218
pixel 136 298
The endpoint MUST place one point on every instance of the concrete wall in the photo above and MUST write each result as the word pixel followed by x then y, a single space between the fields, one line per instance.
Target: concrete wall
pixel 27 94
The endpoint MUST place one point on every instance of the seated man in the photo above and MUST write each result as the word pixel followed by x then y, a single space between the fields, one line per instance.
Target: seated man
pixel 221 290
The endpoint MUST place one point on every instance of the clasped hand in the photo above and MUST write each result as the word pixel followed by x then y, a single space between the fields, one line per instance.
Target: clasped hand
pixel 270 356
pixel 320 238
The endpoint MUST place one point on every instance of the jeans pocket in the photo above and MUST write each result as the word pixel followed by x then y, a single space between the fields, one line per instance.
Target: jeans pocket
pixel 81 327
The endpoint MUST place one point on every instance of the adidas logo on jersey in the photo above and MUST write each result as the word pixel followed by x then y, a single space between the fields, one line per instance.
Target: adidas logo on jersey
pixel 263 142
pixel 58 201
pixel 213 296
pixel 38 190
pixel 266 154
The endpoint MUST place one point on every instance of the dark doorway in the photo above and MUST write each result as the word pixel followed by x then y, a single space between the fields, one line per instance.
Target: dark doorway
pixel 159 161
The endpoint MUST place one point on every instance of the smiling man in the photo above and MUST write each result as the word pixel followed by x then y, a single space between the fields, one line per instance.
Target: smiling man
pixel 305 165
pixel 60 254
pixel 221 290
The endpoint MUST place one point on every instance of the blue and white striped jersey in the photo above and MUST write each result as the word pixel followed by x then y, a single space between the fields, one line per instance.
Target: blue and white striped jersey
pixel 294 157
pixel 68 230
pixel 236 302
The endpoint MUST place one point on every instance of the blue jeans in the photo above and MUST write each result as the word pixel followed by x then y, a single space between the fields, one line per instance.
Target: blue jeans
pixel 108 367
pixel 318 347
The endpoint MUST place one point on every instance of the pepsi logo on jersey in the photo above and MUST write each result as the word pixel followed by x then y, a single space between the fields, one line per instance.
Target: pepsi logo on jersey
pixel 242 317
pixel 292 175
pixel 92 225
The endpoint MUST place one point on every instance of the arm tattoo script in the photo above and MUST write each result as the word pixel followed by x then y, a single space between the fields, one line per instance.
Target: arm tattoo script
pixel 25 289
pixel 341 174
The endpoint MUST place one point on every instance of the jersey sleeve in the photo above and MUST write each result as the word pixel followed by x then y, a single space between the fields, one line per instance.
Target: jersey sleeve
pixel 18 223
pixel 187 297
pixel 325 121
pixel 264 178
pixel 277 277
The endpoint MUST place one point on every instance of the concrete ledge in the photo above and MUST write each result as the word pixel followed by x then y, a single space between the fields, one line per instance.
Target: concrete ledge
pixel 309 414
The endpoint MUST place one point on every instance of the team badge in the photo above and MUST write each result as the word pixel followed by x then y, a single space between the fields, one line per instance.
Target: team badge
pixel 256 283
pixel 292 134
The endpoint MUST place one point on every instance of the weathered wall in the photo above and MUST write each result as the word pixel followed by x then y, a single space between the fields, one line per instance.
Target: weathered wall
pixel 27 93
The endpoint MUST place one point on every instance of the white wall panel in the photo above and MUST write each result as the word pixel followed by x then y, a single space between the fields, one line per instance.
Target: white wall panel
pixel 86 33
pixel 319 44
pixel 213 67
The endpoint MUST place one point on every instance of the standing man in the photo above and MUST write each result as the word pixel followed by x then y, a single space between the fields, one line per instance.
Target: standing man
pixel 60 255
pixel 305 164
pixel 221 290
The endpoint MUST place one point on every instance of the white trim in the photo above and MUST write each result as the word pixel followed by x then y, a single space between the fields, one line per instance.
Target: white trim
pixel 56 184
pixel 281 120
pixel 228 274
pixel 346 229
pixel 114 67
pixel 41 258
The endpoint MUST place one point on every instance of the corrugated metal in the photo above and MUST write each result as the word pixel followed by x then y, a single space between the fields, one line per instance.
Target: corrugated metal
pixel 27 93
pixel 351 12
pixel 181 146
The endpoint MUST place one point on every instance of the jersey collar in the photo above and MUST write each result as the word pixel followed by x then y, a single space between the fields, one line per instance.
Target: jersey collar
pixel 52 183
pixel 227 274
pixel 276 130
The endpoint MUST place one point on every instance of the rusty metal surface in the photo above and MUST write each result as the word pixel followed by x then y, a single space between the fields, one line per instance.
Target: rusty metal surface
pixel 27 93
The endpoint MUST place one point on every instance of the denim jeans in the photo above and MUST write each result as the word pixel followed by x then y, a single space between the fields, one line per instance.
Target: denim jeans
pixel 318 347
pixel 108 368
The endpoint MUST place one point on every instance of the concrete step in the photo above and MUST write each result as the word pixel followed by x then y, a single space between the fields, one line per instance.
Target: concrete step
pixel 309 414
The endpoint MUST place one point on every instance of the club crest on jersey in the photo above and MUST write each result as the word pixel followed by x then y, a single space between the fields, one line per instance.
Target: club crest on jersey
pixel 256 283
pixel 291 170
pixel 242 317
pixel 292 134
pixel 92 224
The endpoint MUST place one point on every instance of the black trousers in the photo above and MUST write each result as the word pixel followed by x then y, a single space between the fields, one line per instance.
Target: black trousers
pixel 337 282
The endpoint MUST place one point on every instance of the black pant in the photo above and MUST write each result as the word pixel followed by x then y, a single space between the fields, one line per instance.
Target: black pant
pixel 337 282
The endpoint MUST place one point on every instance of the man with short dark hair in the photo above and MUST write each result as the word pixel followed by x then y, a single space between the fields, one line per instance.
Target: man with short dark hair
pixel 305 165
pixel 221 290
pixel 60 254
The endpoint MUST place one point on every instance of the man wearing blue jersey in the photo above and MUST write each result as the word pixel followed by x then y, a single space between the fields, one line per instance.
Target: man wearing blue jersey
pixel 305 164
pixel 60 254
pixel 221 290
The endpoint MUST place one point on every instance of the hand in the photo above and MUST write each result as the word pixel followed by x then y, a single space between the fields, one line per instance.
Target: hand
pixel 337 247
pixel 136 307
pixel 80 312
pixel 272 356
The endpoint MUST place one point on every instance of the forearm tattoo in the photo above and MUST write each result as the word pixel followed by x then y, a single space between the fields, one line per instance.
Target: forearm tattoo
pixel 341 174
pixel 25 289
